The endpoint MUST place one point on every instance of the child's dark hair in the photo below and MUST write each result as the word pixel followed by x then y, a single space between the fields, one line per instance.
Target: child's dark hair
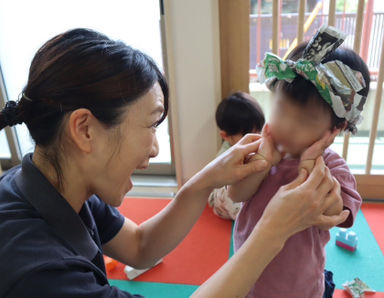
pixel 239 113
pixel 302 91
pixel 80 68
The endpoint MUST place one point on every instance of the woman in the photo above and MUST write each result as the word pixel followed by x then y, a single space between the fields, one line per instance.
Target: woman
pixel 92 106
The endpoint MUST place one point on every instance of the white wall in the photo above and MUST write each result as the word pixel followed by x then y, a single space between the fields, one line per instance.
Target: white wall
pixel 193 53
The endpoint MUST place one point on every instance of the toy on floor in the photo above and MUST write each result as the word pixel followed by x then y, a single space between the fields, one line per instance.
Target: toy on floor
pixel 110 263
pixel 346 239
pixel 132 273
pixel 357 288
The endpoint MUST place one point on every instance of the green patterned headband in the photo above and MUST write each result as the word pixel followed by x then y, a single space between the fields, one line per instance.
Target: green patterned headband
pixel 336 82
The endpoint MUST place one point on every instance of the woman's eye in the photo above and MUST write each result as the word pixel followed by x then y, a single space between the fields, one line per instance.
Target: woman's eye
pixel 156 124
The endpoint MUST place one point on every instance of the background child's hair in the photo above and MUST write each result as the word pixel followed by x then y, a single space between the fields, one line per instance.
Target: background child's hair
pixel 239 113
pixel 302 91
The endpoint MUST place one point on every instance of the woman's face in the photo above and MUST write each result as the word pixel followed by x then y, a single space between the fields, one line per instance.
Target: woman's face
pixel 129 147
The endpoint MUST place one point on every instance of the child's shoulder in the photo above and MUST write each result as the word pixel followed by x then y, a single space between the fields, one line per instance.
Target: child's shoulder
pixel 330 154
pixel 333 160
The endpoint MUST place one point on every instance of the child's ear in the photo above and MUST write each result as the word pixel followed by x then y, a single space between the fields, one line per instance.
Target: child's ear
pixel 224 135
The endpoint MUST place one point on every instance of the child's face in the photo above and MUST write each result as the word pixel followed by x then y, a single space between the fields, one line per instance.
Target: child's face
pixel 295 127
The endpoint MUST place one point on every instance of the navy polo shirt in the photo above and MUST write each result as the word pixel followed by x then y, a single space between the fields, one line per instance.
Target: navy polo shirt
pixel 46 248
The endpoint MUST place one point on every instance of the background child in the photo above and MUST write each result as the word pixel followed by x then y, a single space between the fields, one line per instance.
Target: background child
pixel 305 118
pixel 236 115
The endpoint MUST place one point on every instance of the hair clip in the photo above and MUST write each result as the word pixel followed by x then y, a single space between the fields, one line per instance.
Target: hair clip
pixel 23 95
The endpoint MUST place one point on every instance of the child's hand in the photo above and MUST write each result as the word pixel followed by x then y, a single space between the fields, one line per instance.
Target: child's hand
pixel 308 157
pixel 267 149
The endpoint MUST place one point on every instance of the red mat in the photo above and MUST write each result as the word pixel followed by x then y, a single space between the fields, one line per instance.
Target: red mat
pixel 374 215
pixel 344 294
pixel 201 253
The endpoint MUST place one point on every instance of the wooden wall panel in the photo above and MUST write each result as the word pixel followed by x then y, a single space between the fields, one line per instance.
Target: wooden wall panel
pixel 234 45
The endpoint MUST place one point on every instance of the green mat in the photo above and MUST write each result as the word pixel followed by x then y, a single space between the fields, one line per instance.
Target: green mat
pixel 153 289
pixel 367 262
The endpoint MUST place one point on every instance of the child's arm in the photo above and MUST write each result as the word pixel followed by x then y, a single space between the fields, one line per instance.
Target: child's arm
pixel 247 187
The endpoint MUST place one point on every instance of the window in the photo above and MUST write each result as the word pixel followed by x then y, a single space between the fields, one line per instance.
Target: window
pixel 4 148
pixel 26 25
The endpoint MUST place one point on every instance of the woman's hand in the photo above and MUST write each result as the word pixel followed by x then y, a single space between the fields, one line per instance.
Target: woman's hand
pixel 234 164
pixel 295 207
pixel 303 203
pixel 308 157
pixel 336 206
pixel 267 149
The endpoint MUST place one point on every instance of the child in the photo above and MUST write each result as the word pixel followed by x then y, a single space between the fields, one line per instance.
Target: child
pixel 314 98
pixel 236 116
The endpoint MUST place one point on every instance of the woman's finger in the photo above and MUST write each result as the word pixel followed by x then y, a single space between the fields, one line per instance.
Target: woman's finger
pixel 254 166
pixel 333 195
pixel 332 137
pixel 251 147
pixel 326 185
pixel 328 222
pixel 266 130
pixel 249 138
pixel 322 143
pixel 317 175
pixel 325 138
pixel 318 147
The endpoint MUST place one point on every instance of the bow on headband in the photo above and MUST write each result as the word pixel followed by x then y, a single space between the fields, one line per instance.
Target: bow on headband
pixel 336 82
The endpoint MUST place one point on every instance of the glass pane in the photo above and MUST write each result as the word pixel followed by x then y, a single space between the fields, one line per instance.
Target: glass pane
pixel 164 141
pixel 4 148
pixel 135 22
pixel 374 51
pixel 378 156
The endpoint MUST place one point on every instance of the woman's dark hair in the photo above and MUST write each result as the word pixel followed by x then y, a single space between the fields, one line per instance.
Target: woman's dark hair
pixel 301 91
pixel 239 114
pixel 81 68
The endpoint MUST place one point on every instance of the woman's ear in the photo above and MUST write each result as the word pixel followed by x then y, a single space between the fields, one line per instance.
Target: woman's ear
pixel 80 128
